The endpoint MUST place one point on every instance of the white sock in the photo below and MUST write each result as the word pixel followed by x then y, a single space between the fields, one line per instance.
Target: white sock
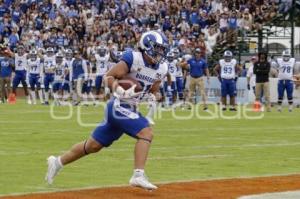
pixel 28 98
pixel 84 96
pixel 40 92
pixel 152 110
pixel 47 96
pixel 33 96
pixel 91 97
pixel 59 162
pixel 66 95
pixel 56 97
pixel 138 172
pixel 74 97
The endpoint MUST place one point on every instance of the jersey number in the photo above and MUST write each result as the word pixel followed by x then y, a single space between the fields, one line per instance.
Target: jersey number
pixel 227 70
pixel 286 69
pixel 102 65
pixel 34 67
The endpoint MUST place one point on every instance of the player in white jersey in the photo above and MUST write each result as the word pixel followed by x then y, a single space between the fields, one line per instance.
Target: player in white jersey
pixel 285 66
pixel 60 71
pixel 145 66
pixel 49 65
pixel 170 87
pixel 102 63
pixel 35 68
pixel 21 71
pixel 227 71
pixel 67 83
pixel 179 75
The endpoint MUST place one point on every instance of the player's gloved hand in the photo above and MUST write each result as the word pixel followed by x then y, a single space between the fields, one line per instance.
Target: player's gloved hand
pixel 248 86
pixel 124 94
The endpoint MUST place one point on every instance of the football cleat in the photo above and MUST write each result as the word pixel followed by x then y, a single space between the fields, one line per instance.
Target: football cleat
pixel 53 168
pixel 141 181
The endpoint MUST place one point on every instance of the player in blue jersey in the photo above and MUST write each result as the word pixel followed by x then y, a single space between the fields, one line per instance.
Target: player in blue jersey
pixel 121 116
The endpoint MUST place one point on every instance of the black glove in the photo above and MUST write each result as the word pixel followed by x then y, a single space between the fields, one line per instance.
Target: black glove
pixel 248 86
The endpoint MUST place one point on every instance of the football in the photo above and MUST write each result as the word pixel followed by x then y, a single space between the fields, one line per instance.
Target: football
pixel 127 82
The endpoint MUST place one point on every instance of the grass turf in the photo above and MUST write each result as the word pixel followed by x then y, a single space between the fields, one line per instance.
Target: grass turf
pixel 193 149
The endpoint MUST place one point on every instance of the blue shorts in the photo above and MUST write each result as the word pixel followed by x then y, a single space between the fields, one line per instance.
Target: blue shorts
pixel 57 86
pixel 87 86
pixel 19 77
pixel 34 81
pixel 228 87
pixel 49 78
pixel 173 87
pixel 287 85
pixel 118 120
pixel 98 82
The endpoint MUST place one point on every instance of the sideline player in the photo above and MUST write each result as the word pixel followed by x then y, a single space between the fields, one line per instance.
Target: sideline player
pixel 49 65
pixel 179 76
pixel 227 70
pixel 102 63
pixel 285 66
pixel 147 67
pixel 60 72
pixel 20 71
pixel 170 87
pixel 35 68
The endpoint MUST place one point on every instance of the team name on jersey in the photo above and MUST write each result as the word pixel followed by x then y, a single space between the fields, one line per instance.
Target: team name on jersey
pixel 145 78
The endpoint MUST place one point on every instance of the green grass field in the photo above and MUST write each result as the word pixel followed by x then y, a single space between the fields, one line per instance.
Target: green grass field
pixel 195 149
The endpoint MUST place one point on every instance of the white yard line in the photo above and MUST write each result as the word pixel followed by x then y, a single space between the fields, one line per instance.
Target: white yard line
pixel 4 153
pixel 275 195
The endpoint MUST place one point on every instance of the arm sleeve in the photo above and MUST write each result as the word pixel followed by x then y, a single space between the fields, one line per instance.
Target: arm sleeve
pixel 128 59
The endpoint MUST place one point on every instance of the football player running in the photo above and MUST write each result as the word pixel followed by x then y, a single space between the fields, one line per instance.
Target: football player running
pixel 147 67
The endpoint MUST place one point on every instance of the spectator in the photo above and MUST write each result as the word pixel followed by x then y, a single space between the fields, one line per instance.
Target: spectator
pixel 5 75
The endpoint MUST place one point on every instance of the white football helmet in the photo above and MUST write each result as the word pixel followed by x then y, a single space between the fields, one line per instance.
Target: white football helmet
pixel 286 55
